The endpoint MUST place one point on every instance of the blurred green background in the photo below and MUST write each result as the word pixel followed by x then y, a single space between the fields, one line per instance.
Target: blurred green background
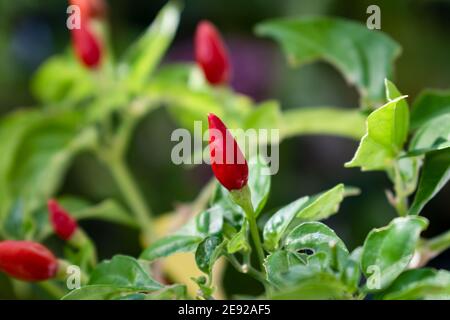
pixel 31 31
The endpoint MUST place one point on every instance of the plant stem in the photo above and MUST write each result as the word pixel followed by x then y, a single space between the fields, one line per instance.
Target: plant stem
pixel 133 197
pixel 247 270
pixel 401 194
pixel 433 247
pixel 52 289
pixel 243 199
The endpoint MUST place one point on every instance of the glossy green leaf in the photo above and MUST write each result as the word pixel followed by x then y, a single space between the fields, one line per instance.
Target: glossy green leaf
pixel 387 251
pixel 176 291
pixel 365 57
pixel 317 237
pixel 435 174
pixel 143 57
pixel 346 123
pixel 170 245
pixel 278 263
pixel 206 223
pixel 419 284
pixel 317 207
pixel 429 105
pixel 123 272
pixel 384 138
pixel 208 251
pixel 276 226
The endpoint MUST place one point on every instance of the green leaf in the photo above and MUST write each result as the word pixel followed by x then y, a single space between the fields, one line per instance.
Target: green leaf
pixel 304 283
pixel 208 251
pixel 419 284
pixel 387 251
pixel 434 135
pixel 258 182
pixel 323 120
pixel 123 272
pixel 317 207
pixel 429 105
pixel 365 57
pixel 278 263
pixel 401 115
pixel 384 138
pixel 173 292
pixel 435 174
pixel 44 155
pixel 266 115
pixel 97 292
pixel 143 57
pixel 170 245
pixel 239 241
pixel 317 237
pixel 206 223
pixel 62 78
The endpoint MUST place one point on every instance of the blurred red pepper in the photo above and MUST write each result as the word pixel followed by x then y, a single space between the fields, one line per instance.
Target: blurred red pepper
pixel 63 223
pixel 227 161
pixel 211 54
pixel 87 46
pixel 95 9
pixel 26 260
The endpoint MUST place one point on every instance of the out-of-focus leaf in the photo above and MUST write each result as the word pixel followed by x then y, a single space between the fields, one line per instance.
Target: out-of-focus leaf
pixel 435 174
pixel 145 54
pixel 365 57
pixel 208 251
pixel 170 245
pixel 62 79
pixel 323 121
pixel 429 105
pixel 123 272
pixel 176 291
pixel 40 161
pixel 419 284
pixel 384 138
pixel 387 251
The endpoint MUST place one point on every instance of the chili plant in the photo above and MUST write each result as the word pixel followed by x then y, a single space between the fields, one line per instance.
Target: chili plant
pixel 91 101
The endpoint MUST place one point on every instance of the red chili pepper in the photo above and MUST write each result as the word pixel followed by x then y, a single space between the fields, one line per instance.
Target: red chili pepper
pixel 63 223
pixel 95 9
pixel 26 260
pixel 211 54
pixel 227 161
pixel 87 47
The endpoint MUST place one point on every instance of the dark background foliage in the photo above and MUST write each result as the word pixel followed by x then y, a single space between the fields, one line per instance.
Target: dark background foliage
pixel 31 31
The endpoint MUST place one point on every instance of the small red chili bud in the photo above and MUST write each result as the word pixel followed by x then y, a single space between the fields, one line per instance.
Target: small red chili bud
pixel 87 47
pixel 26 260
pixel 63 223
pixel 211 54
pixel 227 161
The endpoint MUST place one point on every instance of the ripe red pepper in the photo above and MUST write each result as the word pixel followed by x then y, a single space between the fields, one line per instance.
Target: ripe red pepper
pixel 63 223
pixel 87 47
pixel 211 54
pixel 227 161
pixel 26 260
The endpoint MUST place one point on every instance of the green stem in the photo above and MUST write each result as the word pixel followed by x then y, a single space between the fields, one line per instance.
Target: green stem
pixel 52 289
pixel 243 199
pixel 133 197
pixel 439 243
pixel 401 193
pixel 247 270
